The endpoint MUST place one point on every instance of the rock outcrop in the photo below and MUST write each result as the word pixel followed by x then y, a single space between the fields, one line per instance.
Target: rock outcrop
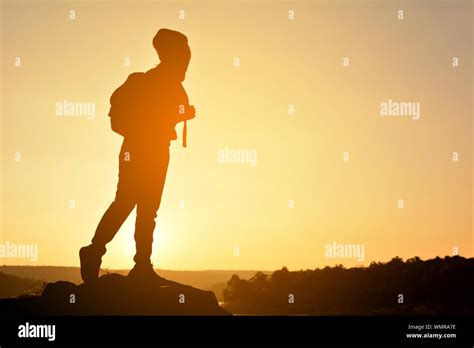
pixel 114 294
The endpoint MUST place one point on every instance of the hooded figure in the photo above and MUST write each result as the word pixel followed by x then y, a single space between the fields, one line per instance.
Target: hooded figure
pixel 146 108
pixel 173 51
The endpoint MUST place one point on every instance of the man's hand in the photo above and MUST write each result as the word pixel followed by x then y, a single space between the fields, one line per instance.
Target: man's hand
pixel 186 113
pixel 190 113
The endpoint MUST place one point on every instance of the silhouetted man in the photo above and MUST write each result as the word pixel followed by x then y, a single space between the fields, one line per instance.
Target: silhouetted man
pixel 145 110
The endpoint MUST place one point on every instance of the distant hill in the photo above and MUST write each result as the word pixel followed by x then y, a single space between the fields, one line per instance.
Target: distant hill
pixel 12 286
pixel 44 273
pixel 414 287
pixel 213 280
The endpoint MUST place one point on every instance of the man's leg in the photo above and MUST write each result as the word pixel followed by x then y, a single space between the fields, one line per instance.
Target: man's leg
pixel 91 256
pixel 111 222
pixel 122 206
pixel 144 228
pixel 147 207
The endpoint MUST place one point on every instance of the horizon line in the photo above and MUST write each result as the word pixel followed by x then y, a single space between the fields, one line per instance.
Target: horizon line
pixel 252 270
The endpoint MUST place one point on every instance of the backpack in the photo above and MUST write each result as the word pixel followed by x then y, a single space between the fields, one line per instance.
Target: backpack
pixel 125 103
pixel 129 103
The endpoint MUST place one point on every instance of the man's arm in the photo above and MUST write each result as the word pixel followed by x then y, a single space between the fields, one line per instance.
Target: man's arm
pixel 185 111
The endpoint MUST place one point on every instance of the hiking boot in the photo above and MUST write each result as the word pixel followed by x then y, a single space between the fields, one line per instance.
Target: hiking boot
pixel 91 258
pixel 145 271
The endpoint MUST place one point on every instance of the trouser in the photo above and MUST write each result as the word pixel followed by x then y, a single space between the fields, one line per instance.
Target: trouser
pixel 142 174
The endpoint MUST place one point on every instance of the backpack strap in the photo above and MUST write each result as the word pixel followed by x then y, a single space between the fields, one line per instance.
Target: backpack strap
pixel 185 133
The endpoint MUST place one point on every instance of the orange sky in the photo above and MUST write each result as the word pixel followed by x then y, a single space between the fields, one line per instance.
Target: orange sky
pixel 301 195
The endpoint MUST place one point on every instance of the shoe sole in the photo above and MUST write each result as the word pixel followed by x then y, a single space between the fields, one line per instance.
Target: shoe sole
pixel 82 261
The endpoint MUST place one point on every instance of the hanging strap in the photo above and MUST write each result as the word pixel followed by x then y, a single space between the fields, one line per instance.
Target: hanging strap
pixel 185 133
